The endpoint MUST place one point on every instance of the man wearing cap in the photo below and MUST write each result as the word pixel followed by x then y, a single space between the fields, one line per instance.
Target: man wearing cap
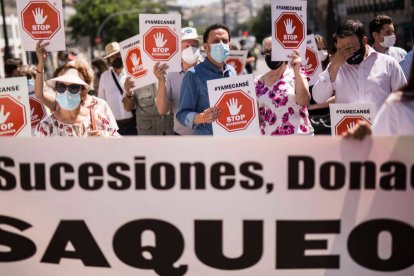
pixel 110 89
pixel 194 109
pixel 169 85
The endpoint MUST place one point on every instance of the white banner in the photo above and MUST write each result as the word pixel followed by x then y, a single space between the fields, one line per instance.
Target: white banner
pixel 310 61
pixel 135 65
pixel 289 28
pixel 14 107
pixel 239 206
pixel 237 59
pixel 236 99
pixel 346 116
pixel 161 42
pixel 41 19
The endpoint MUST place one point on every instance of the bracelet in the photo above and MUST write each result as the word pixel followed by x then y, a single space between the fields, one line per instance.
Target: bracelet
pixel 203 119
pixel 39 71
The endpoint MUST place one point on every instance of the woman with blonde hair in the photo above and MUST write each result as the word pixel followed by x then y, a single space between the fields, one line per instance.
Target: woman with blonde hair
pixel 78 114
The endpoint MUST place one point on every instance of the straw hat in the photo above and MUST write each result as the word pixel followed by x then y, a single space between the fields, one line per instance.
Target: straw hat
pixel 188 33
pixel 71 75
pixel 111 49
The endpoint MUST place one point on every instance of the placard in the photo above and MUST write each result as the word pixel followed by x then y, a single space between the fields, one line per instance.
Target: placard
pixel 346 116
pixel 310 61
pixel 237 59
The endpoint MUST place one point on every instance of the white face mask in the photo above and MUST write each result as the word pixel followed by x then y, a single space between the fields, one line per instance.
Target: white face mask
pixel 190 55
pixel 388 41
pixel 322 54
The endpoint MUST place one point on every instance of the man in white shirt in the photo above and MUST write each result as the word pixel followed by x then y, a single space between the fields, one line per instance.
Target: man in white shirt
pixel 357 73
pixel 382 32
pixel 110 89
pixel 406 63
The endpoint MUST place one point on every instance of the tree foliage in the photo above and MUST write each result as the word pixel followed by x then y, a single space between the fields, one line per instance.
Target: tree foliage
pixel 261 25
pixel 124 21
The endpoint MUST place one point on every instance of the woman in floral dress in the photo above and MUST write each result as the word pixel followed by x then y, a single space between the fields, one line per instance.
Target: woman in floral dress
pixel 283 96
pixel 78 114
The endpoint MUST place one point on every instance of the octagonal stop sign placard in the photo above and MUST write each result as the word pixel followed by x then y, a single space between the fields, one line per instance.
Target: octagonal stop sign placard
pixel 289 30
pixel 237 110
pixel 348 122
pixel 236 63
pixel 12 116
pixel 40 20
pixel 134 63
pixel 37 111
pixel 160 43
pixel 312 61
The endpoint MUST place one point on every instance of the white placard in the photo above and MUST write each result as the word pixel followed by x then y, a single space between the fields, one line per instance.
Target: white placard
pixel 285 206
pixel 38 111
pixel 289 28
pixel 14 108
pixel 310 61
pixel 236 98
pixel 161 34
pixel 237 59
pixel 41 20
pixel 345 116
pixel 136 63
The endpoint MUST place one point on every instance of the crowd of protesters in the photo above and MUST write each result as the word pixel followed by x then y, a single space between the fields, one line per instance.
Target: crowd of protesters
pixel 99 99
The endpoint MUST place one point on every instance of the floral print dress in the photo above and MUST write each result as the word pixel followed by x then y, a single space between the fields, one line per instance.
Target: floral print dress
pixel 279 114
pixel 105 121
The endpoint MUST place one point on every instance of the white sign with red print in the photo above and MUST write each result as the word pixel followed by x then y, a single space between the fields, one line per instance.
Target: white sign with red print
pixel 288 28
pixel 161 39
pixel 14 108
pixel 236 99
pixel 237 59
pixel 345 116
pixel 41 20
pixel 310 61
pixel 136 64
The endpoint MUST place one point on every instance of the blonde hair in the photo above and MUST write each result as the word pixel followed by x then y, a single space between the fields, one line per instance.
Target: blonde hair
pixel 265 40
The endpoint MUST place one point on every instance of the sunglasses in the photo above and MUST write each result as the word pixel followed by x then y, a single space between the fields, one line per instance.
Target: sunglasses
pixel 73 88
pixel 266 52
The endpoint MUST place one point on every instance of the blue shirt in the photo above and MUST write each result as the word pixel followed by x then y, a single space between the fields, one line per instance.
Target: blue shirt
pixel 194 94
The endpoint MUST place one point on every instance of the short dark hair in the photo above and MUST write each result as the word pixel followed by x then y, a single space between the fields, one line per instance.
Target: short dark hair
pixel 215 27
pixel 349 28
pixel 10 67
pixel 378 22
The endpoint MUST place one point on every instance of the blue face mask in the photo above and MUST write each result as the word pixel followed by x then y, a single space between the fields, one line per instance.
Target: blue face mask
pixel 67 100
pixel 219 52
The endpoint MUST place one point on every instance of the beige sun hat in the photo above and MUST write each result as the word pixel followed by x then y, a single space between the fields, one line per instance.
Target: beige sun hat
pixel 111 49
pixel 71 75
pixel 188 33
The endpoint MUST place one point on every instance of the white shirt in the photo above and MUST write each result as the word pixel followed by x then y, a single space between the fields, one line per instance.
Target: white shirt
pixel 395 117
pixel 396 52
pixel 369 82
pixel 109 91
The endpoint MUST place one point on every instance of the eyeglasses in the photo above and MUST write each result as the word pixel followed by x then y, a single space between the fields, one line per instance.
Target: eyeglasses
pixel 267 52
pixel 73 88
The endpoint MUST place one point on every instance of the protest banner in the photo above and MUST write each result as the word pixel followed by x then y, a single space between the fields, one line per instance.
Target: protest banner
pixel 14 107
pixel 346 116
pixel 136 67
pixel 237 59
pixel 236 99
pixel 311 62
pixel 288 28
pixel 241 206
pixel 161 40
pixel 41 20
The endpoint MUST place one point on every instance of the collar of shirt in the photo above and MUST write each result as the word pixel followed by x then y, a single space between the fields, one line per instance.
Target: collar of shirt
pixel 211 67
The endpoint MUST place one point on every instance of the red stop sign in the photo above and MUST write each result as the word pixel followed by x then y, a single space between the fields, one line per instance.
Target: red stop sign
pixel 236 63
pixel 12 116
pixel 348 122
pixel 134 63
pixel 37 111
pixel 312 61
pixel 160 43
pixel 237 110
pixel 289 30
pixel 40 20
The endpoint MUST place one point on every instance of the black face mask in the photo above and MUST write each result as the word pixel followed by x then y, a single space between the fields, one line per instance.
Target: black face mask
pixel 358 56
pixel 273 65
pixel 117 63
